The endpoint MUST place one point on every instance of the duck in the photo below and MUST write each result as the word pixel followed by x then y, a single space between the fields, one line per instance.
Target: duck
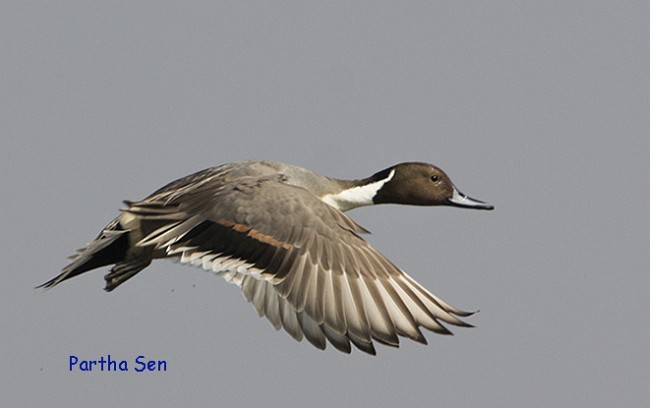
pixel 280 233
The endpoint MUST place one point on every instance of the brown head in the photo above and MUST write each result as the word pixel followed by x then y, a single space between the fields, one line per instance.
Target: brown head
pixel 421 184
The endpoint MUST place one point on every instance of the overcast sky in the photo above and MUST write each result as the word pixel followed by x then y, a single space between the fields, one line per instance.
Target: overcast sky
pixel 540 109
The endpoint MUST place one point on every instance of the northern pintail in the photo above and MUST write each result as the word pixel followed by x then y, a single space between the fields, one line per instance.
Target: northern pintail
pixel 279 232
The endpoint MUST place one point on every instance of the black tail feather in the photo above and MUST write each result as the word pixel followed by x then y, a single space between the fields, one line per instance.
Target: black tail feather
pixel 108 248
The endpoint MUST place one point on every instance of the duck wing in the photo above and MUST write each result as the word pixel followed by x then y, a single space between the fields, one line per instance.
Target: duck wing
pixel 300 261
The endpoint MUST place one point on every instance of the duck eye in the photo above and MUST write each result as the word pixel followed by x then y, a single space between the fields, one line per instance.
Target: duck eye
pixel 435 178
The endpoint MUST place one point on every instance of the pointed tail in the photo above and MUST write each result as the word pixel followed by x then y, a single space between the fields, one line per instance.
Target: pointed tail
pixel 110 247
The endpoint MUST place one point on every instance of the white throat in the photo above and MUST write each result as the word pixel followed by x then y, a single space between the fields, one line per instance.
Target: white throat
pixel 358 196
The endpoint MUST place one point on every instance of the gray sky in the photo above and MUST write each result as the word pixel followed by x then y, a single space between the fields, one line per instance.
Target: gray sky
pixel 540 109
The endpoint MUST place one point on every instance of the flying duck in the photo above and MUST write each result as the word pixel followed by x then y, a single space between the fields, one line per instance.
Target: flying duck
pixel 279 232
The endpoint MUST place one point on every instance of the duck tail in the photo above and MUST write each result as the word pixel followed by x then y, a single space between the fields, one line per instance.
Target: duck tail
pixel 110 247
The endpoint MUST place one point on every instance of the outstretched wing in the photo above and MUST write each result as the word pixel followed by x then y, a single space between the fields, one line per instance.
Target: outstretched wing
pixel 300 261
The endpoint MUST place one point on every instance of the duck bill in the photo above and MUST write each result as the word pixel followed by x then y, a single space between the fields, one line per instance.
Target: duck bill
pixel 459 199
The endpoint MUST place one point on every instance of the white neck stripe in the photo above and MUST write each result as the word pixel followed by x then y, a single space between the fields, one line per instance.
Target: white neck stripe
pixel 358 196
